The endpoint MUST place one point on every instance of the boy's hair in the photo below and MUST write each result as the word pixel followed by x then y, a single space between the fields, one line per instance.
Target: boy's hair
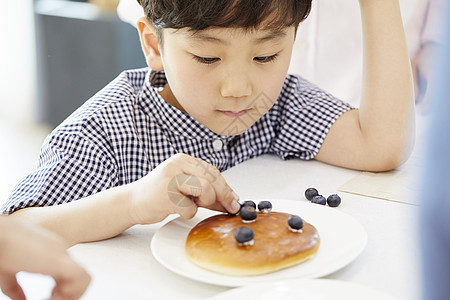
pixel 248 14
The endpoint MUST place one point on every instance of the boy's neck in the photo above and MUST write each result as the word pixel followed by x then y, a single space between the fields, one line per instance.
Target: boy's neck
pixel 168 96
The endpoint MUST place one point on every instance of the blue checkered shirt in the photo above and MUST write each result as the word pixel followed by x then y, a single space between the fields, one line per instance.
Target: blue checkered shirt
pixel 127 129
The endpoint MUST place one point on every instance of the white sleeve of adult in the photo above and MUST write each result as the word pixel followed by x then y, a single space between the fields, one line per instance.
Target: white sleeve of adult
pixel 434 22
pixel 129 11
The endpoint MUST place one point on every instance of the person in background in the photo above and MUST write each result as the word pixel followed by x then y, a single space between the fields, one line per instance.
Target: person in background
pixel 434 197
pixel 328 47
pixel 28 248
pixel 329 52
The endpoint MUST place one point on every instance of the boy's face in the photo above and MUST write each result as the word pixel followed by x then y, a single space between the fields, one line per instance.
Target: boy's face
pixel 225 78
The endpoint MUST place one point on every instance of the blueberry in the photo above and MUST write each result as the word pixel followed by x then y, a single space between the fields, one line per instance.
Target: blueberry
pixel 334 200
pixel 311 193
pixel 295 223
pixel 248 214
pixel 248 203
pixel 265 206
pixel 319 200
pixel 244 236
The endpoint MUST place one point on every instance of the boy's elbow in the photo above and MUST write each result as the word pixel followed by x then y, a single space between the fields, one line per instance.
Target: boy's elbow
pixel 390 151
pixel 390 158
pixel 389 163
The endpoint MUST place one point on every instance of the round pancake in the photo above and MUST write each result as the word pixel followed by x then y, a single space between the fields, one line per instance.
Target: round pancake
pixel 211 244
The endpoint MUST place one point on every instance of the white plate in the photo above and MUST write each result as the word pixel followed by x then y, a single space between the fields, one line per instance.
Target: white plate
pixel 342 239
pixel 310 289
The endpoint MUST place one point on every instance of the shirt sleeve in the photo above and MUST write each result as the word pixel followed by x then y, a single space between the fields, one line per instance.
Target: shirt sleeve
pixel 434 22
pixel 70 167
pixel 306 115
pixel 129 11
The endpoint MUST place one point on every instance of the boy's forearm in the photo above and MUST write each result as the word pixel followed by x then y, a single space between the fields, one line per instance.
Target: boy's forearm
pixel 387 104
pixel 3 236
pixel 97 217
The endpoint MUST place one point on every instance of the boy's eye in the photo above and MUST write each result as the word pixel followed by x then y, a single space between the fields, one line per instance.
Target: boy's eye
pixel 211 60
pixel 265 59
pixel 206 60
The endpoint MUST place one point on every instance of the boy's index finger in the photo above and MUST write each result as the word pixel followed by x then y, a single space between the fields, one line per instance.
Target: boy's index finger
pixel 224 193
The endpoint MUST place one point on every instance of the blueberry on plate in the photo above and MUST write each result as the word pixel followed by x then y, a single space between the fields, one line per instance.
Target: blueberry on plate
pixel 295 223
pixel 334 200
pixel 248 203
pixel 311 193
pixel 244 236
pixel 248 214
pixel 319 200
pixel 265 206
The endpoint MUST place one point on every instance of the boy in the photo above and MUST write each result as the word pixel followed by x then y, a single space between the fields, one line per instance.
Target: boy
pixel 219 94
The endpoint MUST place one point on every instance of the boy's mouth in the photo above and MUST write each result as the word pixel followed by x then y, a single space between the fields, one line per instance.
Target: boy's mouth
pixel 234 114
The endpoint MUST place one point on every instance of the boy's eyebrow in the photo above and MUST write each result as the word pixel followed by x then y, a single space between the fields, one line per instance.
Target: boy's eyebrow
pixel 271 35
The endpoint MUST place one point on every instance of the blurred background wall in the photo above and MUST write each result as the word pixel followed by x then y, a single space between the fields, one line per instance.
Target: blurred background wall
pixel 55 54
pixel 18 64
pixel 80 47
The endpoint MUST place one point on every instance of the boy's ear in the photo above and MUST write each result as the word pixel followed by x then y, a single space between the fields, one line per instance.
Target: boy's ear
pixel 149 44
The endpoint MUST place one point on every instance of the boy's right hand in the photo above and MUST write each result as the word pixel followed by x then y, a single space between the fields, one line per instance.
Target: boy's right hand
pixel 180 185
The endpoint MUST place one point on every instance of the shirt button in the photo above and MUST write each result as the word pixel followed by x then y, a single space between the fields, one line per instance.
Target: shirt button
pixel 217 144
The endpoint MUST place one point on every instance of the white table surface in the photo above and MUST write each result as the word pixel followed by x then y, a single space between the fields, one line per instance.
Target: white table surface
pixel 124 268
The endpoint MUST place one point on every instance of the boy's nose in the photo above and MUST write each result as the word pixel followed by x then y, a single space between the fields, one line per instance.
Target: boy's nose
pixel 236 85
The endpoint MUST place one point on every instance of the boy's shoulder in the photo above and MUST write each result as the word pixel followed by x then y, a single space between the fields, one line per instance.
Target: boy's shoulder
pixel 115 101
pixel 299 85
pixel 123 89
pixel 300 92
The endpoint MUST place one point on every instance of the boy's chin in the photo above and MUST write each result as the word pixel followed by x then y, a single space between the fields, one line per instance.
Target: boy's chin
pixel 234 128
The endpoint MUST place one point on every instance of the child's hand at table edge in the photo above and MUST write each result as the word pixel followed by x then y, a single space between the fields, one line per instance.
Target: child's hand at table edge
pixel 32 249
